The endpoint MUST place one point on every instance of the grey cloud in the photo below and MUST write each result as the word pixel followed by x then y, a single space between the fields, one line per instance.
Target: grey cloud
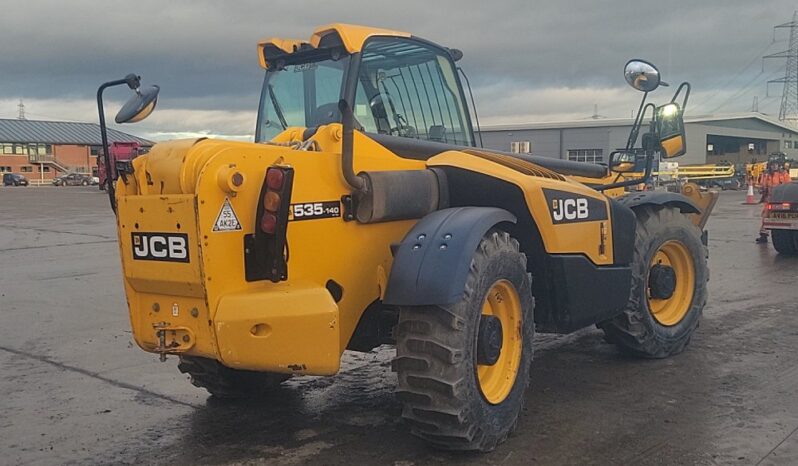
pixel 202 53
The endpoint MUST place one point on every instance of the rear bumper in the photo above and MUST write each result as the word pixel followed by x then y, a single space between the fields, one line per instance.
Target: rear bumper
pixel 291 328
pixel 780 224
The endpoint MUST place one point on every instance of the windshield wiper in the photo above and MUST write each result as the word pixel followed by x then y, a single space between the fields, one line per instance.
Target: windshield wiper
pixel 277 109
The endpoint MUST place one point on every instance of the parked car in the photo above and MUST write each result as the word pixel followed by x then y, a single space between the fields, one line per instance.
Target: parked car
pixel 13 179
pixel 73 179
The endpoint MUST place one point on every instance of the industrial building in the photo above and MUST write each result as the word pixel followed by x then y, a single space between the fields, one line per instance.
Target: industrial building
pixel 734 138
pixel 43 150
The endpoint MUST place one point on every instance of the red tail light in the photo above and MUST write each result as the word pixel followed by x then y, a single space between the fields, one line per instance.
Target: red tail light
pixel 268 223
pixel 275 178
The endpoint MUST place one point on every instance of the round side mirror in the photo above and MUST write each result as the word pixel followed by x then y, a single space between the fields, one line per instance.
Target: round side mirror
pixel 642 75
pixel 139 106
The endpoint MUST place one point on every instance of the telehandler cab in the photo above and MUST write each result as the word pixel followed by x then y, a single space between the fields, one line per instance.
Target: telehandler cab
pixel 366 214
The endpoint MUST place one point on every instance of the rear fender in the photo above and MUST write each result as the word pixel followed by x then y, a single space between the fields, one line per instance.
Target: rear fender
pixel 660 198
pixel 432 262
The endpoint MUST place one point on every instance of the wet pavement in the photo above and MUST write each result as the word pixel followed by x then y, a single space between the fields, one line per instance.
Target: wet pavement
pixel 74 389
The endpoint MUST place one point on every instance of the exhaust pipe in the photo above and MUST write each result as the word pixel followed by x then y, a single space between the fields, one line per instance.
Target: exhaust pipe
pixel 347 147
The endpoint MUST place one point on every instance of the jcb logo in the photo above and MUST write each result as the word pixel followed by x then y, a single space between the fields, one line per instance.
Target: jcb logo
pixel 570 209
pixel 172 247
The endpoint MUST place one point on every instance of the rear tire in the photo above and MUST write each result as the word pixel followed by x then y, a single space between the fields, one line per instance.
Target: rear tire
pixel 785 241
pixel 445 394
pixel 658 328
pixel 224 382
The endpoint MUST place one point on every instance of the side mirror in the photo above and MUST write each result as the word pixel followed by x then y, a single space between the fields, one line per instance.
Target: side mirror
pixel 670 128
pixel 642 75
pixel 139 106
pixel 622 161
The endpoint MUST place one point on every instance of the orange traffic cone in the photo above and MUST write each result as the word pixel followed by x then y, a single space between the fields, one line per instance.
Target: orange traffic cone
pixel 749 198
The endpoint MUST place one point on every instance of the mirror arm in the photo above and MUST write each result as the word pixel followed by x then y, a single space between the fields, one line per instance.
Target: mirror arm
pixel 636 124
pixel 685 85
pixel 104 136
pixel 630 143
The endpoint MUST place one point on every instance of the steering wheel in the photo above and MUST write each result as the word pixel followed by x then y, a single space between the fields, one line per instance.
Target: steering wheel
pixel 377 105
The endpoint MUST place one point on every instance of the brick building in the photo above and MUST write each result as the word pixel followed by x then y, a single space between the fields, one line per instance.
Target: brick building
pixel 43 150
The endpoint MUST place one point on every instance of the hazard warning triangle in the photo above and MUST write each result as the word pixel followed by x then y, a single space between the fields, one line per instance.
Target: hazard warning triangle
pixel 227 219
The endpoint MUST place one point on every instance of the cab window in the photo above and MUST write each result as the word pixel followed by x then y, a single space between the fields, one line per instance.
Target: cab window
pixel 303 94
pixel 409 89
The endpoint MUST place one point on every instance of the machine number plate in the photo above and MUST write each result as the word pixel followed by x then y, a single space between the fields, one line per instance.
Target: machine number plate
pixel 315 210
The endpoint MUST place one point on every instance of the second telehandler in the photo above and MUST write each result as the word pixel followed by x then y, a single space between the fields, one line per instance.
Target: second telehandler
pixel 366 214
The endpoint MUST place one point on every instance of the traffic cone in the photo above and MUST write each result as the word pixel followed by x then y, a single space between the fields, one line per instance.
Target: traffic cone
pixel 749 198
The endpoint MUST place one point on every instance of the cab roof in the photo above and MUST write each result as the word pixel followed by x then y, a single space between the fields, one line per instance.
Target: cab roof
pixel 350 36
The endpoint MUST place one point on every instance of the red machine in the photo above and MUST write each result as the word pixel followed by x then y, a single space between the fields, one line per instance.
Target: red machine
pixel 119 152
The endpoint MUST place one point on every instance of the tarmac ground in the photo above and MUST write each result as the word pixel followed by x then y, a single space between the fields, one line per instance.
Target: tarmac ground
pixel 75 389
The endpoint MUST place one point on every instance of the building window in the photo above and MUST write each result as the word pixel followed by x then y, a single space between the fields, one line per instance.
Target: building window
pixel 5 169
pixel 46 169
pixel 521 147
pixel 95 150
pixel 586 155
pixel 788 144
pixel 8 148
pixel 26 169
pixel 20 149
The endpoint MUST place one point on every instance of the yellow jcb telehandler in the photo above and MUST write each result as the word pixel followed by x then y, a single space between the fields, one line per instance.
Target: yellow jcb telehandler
pixel 365 213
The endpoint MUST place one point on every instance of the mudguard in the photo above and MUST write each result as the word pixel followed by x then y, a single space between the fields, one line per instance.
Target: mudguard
pixel 431 264
pixel 685 205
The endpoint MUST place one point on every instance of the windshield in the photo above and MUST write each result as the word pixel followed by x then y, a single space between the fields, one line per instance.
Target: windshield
pixel 302 94
pixel 409 88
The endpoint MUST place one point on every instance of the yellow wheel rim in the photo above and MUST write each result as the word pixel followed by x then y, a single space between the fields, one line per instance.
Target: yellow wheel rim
pixel 672 310
pixel 497 381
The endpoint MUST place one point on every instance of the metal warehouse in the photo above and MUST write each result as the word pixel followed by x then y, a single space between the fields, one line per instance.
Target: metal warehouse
pixel 736 138
pixel 42 150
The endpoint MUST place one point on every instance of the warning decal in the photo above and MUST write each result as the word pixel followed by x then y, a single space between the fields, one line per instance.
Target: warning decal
pixel 227 219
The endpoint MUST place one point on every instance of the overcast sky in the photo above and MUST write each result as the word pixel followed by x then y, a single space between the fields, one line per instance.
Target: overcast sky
pixel 527 60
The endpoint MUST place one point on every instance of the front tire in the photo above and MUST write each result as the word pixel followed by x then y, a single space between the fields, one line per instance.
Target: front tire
pixel 669 286
pixel 785 241
pixel 224 382
pixel 455 395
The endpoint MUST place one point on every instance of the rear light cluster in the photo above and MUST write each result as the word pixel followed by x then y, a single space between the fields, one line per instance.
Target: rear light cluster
pixel 266 251
pixel 273 200
pixel 782 206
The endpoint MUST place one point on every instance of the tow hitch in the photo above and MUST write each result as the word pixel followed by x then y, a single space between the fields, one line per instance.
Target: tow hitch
pixel 171 340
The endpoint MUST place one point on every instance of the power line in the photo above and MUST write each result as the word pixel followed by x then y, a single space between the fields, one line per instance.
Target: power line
pixel 743 90
pixel 739 73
